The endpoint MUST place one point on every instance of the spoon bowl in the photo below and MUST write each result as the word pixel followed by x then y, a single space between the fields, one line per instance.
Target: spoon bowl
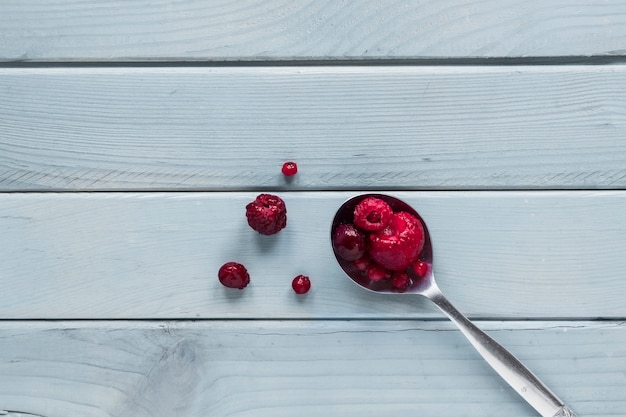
pixel 417 285
pixel 516 374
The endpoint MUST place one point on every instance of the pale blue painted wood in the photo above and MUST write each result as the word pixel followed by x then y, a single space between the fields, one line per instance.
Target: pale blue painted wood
pixel 348 128
pixel 156 255
pixel 147 255
pixel 304 29
pixel 307 368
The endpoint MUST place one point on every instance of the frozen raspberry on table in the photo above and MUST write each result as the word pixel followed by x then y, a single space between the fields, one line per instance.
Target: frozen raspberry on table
pixel 233 275
pixel 349 242
pixel 267 214
pixel 301 284
pixel 372 214
pixel 289 169
pixel 399 244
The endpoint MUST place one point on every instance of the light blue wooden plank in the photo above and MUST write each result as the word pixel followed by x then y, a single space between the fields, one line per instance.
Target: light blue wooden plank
pixel 348 128
pixel 287 29
pixel 156 255
pixel 307 368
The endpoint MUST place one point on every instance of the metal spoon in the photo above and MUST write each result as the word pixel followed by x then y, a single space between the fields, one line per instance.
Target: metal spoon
pixel 520 378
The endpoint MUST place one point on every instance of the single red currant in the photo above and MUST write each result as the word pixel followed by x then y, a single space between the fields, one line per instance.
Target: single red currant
pixel 420 268
pixel 290 169
pixel 301 284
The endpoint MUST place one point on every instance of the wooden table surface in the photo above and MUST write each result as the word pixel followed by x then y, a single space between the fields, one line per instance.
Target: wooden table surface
pixel 133 134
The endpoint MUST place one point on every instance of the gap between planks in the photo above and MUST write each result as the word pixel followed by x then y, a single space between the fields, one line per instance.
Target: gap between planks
pixel 174 62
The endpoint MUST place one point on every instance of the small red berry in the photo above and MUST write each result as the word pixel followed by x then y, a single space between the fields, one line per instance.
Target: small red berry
pixel 267 214
pixel 376 272
pixel 301 284
pixel 290 169
pixel 234 275
pixel 400 281
pixel 420 268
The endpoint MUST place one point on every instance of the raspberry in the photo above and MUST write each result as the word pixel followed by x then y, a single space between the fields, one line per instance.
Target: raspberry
pixel 290 169
pixel 267 214
pixel 349 242
pixel 362 263
pixel 399 244
pixel 376 272
pixel 400 281
pixel 301 284
pixel 233 275
pixel 420 268
pixel 372 214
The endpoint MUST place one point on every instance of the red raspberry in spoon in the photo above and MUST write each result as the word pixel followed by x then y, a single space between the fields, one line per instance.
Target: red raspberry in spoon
pixel 399 244
pixel 372 214
pixel 362 263
pixel 376 272
pixel 400 280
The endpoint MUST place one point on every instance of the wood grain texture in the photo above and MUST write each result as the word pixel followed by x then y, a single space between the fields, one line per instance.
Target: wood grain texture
pixel 296 29
pixel 156 255
pixel 307 368
pixel 348 128
pixel 531 267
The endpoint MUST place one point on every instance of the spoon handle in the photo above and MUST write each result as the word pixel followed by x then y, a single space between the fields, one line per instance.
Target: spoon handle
pixel 518 376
